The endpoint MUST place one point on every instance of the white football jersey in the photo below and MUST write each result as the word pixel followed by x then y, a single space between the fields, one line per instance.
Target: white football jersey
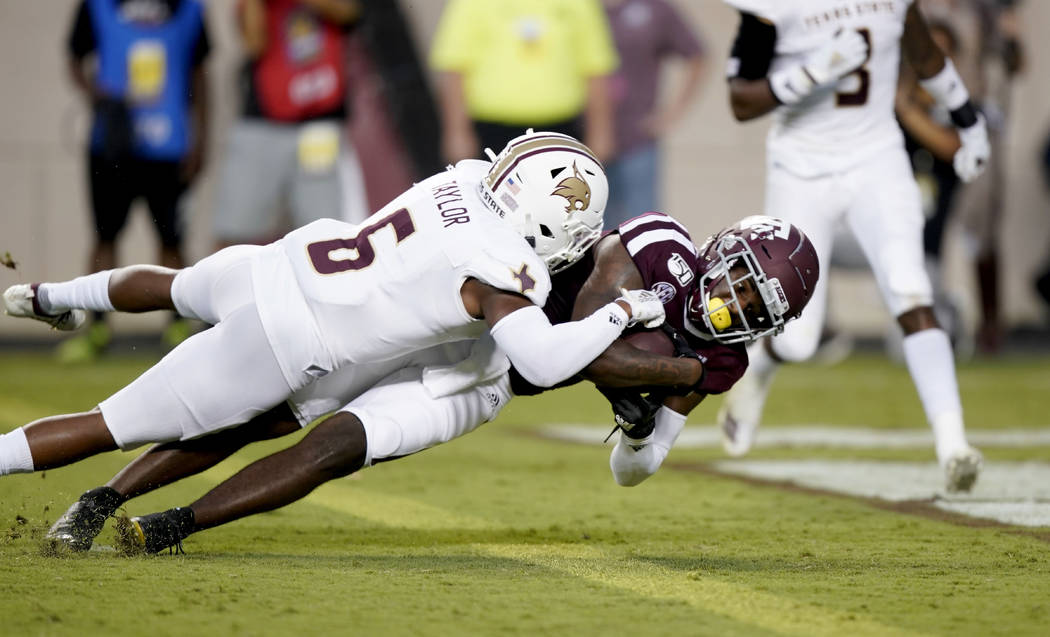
pixel 332 293
pixel 837 126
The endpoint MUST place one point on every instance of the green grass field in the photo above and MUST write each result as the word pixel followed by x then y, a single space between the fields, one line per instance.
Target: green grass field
pixel 509 532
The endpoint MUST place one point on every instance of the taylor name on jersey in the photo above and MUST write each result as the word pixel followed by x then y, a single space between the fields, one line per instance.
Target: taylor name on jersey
pixel 392 283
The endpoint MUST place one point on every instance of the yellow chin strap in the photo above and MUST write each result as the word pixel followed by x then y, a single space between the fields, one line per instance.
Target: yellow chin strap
pixel 719 313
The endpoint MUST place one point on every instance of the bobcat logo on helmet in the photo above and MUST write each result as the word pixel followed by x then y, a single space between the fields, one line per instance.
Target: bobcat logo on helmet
pixel 575 190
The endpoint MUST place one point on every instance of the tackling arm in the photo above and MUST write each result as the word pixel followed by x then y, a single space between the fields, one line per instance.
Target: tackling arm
pixel 546 354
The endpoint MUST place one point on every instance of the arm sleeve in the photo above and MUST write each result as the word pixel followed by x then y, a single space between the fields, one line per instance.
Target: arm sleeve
pixel 753 48
pixel 546 354
pixel 633 461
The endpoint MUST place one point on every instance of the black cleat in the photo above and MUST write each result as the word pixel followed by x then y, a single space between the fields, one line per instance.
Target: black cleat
pixel 77 528
pixel 155 532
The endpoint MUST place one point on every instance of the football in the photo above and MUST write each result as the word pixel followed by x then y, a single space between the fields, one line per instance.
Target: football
pixel 654 341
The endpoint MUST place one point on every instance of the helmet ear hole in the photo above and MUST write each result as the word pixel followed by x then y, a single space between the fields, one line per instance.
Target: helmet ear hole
pixel 546 231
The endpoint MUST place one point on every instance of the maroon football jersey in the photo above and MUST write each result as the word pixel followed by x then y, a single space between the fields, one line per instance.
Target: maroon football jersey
pixel 664 254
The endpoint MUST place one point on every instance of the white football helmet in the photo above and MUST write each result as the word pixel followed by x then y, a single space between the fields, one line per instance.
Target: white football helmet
pixel 552 190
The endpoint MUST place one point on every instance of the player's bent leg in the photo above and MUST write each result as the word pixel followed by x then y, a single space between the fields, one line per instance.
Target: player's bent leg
pixel 169 462
pixel 162 464
pixel 333 449
pixel 60 440
pixel 141 288
pixel 402 418
pixel 394 419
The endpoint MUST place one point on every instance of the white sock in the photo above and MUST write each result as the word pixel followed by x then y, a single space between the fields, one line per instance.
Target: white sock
pixel 15 456
pixel 932 367
pixel 89 292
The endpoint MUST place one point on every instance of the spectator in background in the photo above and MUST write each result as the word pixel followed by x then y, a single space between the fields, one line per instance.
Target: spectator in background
pixel 510 65
pixel 140 64
pixel 289 149
pixel 988 56
pixel 647 33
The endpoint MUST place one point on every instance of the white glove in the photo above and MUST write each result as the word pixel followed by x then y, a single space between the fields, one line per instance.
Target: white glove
pixel 646 307
pixel 972 157
pixel 844 53
pixel 841 55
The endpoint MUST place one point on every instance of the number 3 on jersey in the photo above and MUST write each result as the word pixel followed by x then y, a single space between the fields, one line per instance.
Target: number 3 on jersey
pixel 859 96
pixel 321 251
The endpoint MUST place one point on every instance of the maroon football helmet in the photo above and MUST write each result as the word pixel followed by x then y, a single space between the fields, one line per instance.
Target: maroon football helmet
pixel 779 260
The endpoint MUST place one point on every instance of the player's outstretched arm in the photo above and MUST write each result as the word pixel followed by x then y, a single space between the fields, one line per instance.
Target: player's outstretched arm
pixel 637 456
pixel 546 354
pixel 938 77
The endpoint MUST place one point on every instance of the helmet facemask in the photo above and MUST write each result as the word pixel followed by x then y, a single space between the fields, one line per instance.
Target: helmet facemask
pixel 712 316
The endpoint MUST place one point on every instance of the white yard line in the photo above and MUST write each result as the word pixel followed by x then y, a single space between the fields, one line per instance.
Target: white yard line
pixel 1008 492
pixel 696 436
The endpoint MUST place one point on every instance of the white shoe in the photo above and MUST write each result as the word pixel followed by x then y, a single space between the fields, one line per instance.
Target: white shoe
pixel 961 470
pixel 739 416
pixel 20 301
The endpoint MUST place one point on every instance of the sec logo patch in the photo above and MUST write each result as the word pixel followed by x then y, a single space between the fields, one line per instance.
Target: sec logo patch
pixel 664 291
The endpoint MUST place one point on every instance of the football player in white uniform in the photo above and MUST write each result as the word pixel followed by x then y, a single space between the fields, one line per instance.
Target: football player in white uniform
pixel 827 69
pixel 709 317
pixel 466 249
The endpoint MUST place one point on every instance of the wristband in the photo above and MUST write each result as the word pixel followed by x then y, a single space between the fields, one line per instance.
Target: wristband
pixel 947 87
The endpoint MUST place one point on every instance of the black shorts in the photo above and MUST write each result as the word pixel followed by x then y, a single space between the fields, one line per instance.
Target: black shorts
pixel 116 185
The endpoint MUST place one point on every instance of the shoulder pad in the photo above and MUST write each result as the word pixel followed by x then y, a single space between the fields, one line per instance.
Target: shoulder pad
pixel 527 275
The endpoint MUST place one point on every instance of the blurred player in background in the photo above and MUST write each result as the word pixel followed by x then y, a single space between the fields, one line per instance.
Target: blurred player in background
pixel 467 248
pixel 829 70
pixel 746 281
pixel 140 64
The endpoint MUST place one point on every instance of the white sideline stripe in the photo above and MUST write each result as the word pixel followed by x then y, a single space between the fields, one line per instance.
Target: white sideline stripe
pixel 1009 492
pixel 697 436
